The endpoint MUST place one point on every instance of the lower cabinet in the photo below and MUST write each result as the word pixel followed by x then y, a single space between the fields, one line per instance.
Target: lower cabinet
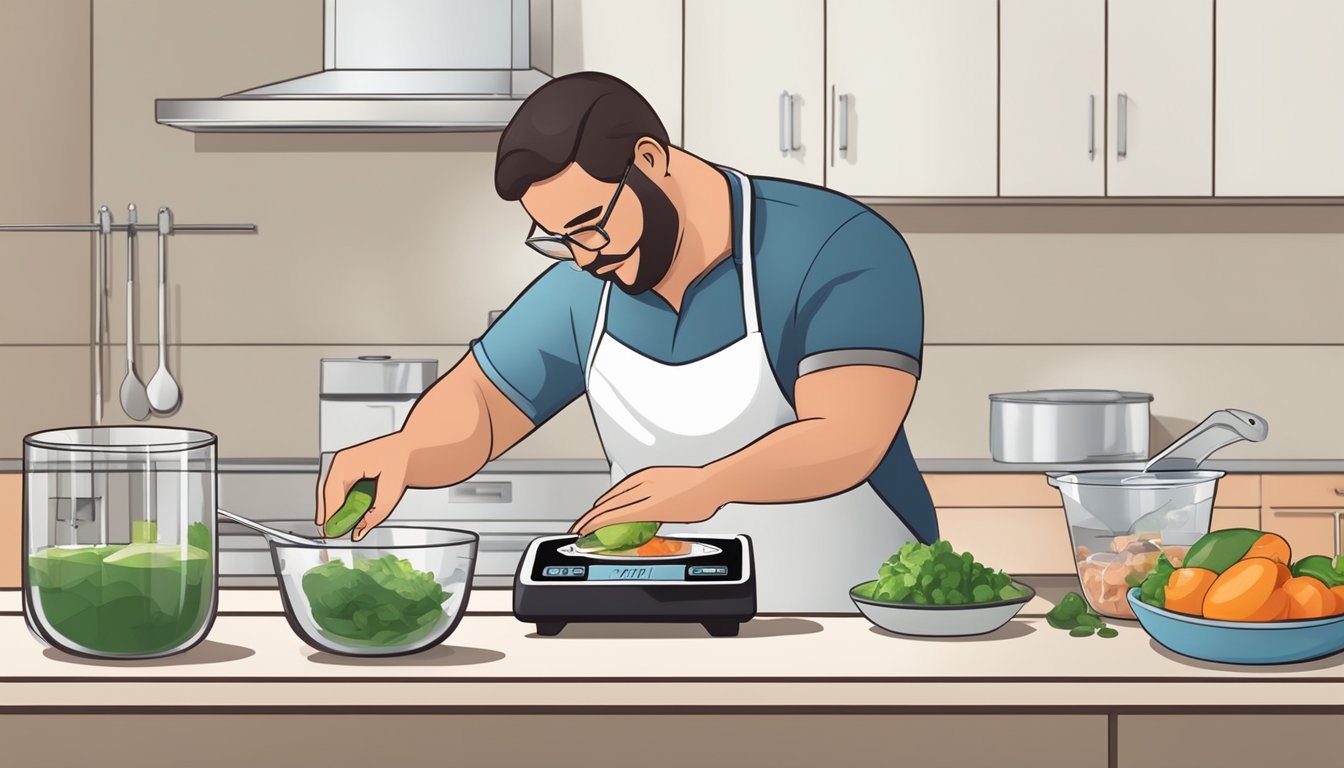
pixel 1306 510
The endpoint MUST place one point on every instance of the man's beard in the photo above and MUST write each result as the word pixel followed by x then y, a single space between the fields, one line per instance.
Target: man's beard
pixel 657 245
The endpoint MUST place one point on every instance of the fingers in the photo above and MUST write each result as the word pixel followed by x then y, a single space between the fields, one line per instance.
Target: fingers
pixel 341 475
pixel 608 514
pixel 391 486
pixel 628 484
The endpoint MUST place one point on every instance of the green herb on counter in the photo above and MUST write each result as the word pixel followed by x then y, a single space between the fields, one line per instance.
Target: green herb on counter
pixel 1072 614
pixel 380 602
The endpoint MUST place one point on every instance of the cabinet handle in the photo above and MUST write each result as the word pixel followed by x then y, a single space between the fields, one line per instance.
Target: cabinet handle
pixel 1339 491
pixel 1122 120
pixel 497 492
pixel 843 145
pixel 1091 126
pixel 788 142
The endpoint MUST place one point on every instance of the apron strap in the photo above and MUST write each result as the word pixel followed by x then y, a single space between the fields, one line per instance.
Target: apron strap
pixel 599 328
pixel 750 318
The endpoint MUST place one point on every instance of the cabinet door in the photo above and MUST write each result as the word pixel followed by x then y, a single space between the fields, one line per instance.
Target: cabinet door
pixel 1052 85
pixel 746 61
pixel 915 83
pixel 1280 71
pixel 637 42
pixel 1160 99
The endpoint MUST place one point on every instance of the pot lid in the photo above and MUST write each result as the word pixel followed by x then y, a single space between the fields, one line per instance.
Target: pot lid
pixel 1073 397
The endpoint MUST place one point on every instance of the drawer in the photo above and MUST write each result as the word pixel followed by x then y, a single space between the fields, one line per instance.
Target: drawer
pixel 1238 491
pixel 1234 517
pixel 1307 531
pixel 540 496
pixel 1303 490
pixel 992 490
pixel 1024 540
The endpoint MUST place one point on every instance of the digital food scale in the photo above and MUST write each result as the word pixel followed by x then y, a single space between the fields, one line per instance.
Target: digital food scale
pixel 714 587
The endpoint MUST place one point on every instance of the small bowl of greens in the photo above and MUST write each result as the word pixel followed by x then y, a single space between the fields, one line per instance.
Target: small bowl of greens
pixel 932 591
pixel 399 590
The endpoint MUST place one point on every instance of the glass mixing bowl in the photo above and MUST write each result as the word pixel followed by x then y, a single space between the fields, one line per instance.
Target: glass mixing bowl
pixel 399 590
pixel 1121 522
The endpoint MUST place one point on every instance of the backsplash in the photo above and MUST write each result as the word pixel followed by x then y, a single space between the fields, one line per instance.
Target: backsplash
pixel 398 245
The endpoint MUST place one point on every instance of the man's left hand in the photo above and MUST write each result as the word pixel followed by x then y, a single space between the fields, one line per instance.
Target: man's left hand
pixel 661 494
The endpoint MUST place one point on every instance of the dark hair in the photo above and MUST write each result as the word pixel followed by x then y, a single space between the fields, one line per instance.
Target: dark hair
pixel 590 118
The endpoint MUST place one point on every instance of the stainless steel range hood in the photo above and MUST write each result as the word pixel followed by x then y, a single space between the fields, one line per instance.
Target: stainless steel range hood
pixel 396 66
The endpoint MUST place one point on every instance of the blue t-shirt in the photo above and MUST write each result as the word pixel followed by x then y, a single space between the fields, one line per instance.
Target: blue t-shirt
pixel 836 285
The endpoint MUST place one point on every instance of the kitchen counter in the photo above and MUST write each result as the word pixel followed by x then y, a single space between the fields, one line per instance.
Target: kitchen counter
pixel 931 466
pixel 1084 691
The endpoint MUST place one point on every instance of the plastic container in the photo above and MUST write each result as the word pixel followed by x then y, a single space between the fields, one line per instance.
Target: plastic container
pixel 399 590
pixel 1120 523
pixel 119 539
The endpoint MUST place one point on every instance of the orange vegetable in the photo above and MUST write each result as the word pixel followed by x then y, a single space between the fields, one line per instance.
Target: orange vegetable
pixel 1186 589
pixel 1287 605
pixel 1338 592
pixel 660 546
pixel 1243 592
pixel 1308 598
pixel 1271 546
pixel 1283 575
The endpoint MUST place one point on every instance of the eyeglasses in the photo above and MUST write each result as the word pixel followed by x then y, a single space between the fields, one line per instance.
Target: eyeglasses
pixel 591 238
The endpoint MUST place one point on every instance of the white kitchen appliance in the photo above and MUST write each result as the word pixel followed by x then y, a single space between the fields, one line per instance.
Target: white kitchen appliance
pixel 369 396
pixel 716 589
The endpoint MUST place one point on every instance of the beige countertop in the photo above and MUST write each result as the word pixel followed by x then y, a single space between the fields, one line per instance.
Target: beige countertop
pixel 252 659
pixel 928 465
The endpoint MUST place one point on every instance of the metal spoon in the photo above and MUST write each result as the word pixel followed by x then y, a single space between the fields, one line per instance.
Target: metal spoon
pixel 267 531
pixel 163 392
pixel 134 399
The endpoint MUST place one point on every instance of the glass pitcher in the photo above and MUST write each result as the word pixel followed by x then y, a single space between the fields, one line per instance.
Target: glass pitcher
pixel 119 541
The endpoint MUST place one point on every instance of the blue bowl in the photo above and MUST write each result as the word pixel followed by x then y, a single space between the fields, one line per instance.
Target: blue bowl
pixel 1240 642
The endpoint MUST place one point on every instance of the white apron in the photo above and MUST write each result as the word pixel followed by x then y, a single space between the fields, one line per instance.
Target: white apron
pixel 650 413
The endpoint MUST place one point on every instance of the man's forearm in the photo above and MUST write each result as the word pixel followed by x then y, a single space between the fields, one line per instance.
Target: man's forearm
pixel 447 435
pixel 800 461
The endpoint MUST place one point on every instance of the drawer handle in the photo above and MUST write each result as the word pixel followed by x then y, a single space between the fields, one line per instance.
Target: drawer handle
pixel 493 492
pixel 1339 491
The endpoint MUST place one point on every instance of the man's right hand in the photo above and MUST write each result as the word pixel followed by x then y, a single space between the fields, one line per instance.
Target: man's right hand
pixel 383 459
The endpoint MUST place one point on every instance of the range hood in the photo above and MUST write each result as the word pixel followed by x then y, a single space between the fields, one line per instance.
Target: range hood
pixel 395 66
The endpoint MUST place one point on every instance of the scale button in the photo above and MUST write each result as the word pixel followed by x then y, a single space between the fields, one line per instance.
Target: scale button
pixel 709 570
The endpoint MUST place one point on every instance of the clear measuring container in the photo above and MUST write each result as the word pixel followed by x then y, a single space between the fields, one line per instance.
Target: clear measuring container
pixel 119 541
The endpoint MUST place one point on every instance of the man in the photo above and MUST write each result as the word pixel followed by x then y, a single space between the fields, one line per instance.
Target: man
pixel 750 374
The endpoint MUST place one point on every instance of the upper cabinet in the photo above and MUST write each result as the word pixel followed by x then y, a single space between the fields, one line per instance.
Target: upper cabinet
pixel 754 94
pixel 637 42
pixel 912 91
pixel 1280 70
pixel 1183 99
pixel 1160 98
pixel 1052 98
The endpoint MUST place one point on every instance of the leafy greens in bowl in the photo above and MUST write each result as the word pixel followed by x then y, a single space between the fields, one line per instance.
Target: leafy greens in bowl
pixel 398 590
pixel 932 590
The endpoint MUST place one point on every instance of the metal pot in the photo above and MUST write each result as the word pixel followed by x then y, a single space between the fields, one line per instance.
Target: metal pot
pixel 1053 426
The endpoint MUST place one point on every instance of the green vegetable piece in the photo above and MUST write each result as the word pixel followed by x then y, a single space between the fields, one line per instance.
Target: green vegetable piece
pixel 982 593
pixel 1090 620
pixel 1153 589
pixel 144 531
pixel 1218 550
pixel 1319 567
pixel 357 502
pixel 619 536
pixel 1081 631
pixel 198 536
pixel 1107 632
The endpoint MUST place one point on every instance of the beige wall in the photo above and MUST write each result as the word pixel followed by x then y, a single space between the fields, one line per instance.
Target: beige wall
pixel 397 245
pixel 45 289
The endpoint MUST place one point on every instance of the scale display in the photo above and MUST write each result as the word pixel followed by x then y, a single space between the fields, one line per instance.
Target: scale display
pixel 552 567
